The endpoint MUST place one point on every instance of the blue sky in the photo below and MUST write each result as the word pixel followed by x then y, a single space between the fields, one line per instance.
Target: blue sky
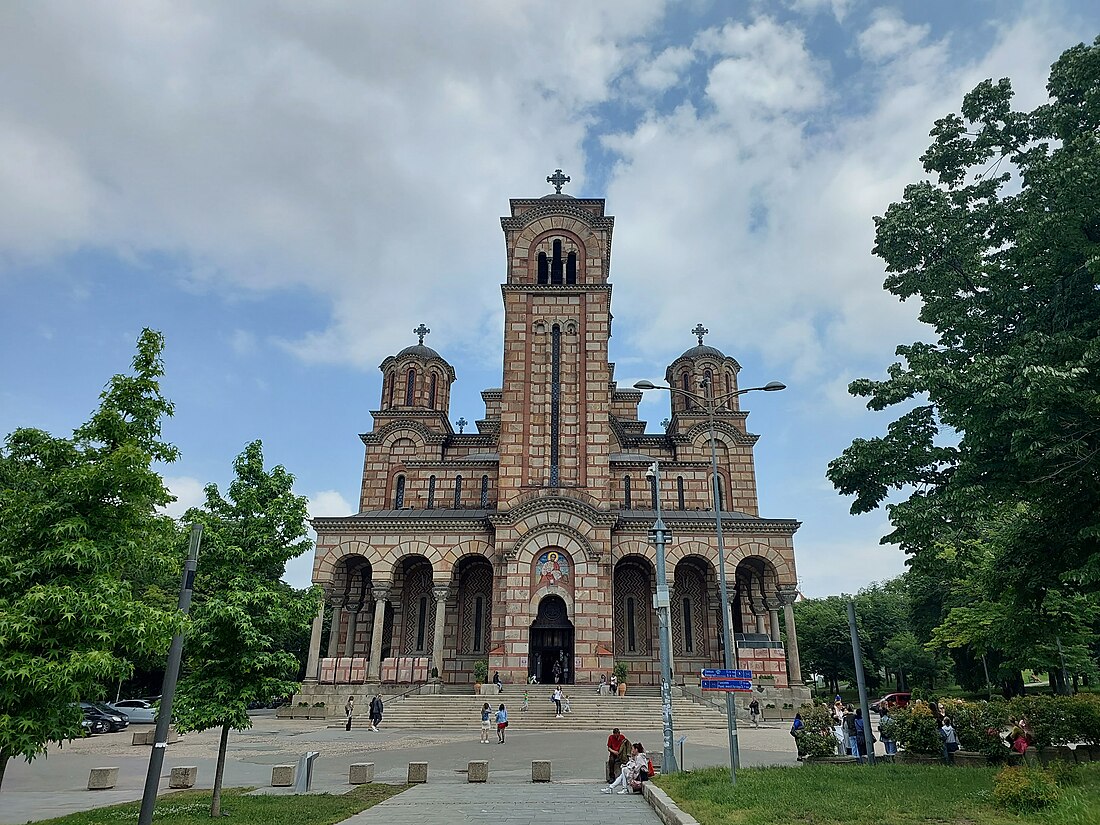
pixel 286 190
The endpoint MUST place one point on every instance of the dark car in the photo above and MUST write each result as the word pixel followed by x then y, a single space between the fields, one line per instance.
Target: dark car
pixel 890 701
pixel 115 721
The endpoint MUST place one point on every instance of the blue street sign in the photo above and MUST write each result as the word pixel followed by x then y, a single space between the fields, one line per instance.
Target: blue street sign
pixel 739 685
pixel 709 673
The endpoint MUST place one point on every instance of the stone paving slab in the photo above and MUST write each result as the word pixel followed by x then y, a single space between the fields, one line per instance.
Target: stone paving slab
pixel 509 804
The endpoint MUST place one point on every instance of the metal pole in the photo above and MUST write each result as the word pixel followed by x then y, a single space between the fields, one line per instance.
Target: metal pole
pixel 668 763
pixel 857 654
pixel 727 625
pixel 168 689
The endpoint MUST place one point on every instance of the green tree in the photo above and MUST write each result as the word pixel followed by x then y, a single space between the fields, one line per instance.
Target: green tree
pixel 824 643
pixel 1002 248
pixel 78 516
pixel 242 613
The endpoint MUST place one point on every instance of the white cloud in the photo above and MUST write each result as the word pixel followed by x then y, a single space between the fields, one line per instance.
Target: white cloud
pixel 838 8
pixel 888 35
pixel 329 503
pixel 665 70
pixel 188 492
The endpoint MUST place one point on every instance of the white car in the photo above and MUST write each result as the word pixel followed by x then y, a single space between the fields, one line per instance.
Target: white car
pixel 140 711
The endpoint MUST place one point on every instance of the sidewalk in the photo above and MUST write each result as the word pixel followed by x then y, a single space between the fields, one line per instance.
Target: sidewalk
pixel 509 804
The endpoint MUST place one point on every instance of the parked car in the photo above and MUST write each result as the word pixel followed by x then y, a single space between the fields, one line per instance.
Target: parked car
pixel 139 711
pixel 115 720
pixel 890 700
pixel 94 721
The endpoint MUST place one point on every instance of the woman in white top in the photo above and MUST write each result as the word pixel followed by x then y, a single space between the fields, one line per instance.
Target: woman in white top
pixel 632 771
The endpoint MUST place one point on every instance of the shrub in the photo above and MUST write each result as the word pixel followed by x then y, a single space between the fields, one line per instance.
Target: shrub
pixel 621 671
pixel 1065 774
pixel 979 726
pixel 481 671
pixel 817 734
pixel 1024 789
pixel 917 731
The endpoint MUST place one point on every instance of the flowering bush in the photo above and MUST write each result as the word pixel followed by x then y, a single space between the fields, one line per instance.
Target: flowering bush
pixel 916 730
pixel 817 733
pixel 1024 789
pixel 979 726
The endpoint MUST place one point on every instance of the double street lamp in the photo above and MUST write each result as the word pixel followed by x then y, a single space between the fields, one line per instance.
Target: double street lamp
pixel 710 404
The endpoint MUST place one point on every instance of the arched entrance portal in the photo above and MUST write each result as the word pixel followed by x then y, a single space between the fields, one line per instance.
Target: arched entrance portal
pixel 550 658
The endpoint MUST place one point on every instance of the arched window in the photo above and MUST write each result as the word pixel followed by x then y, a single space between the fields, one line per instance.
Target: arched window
pixel 393 383
pixel 680 492
pixel 653 492
pixel 626 492
pixel 556 264
pixel 730 386
pixel 708 376
pixel 431 392
pixel 571 268
pixel 410 387
pixel 721 494
pixel 484 492
pixel 458 493
pixel 544 269
pixel 685 382
pixel 399 494
pixel 479 619
pixel 431 492
pixel 631 632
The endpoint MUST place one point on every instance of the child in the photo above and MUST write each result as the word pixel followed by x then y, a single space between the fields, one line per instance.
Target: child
pixel 525 698
pixel 565 702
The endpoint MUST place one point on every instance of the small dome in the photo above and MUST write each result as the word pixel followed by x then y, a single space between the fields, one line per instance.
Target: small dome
pixel 420 351
pixel 700 350
pixel 560 196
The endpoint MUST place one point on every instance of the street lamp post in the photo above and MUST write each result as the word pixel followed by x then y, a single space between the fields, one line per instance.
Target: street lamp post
pixel 710 404
pixel 661 602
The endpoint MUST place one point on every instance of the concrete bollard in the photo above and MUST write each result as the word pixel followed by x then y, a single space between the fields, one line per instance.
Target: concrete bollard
pixel 361 773
pixel 418 772
pixel 101 779
pixel 477 771
pixel 144 737
pixel 183 776
pixel 282 776
pixel 540 771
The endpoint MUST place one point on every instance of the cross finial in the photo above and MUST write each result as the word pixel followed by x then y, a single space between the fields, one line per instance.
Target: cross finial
pixel 700 331
pixel 423 330
pixel 462 422
pixel 558 180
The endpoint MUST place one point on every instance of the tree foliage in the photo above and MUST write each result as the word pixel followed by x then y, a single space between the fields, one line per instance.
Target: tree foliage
pixel 242 612
pixel 1002 248
pixel 78 516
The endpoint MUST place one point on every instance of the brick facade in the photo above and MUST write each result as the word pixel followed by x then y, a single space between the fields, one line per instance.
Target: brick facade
pixel 526 543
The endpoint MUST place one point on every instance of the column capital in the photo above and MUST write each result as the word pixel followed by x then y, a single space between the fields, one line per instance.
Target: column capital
pixel 441 592
pixel 381 592
pixel 772 603
pixel 787 594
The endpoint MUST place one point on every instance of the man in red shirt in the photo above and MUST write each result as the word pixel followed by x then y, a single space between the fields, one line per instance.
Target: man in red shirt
pixel 615 743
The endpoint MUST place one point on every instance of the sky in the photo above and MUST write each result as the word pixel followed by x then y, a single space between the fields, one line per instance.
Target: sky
pixel 285 190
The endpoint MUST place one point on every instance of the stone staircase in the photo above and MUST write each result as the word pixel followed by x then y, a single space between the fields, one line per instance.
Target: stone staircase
pixel 638 711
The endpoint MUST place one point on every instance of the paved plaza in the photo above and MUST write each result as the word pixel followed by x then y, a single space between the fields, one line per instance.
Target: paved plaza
pixel 56 784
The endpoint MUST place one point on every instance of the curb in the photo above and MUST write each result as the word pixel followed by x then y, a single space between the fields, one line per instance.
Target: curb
pixel 664 807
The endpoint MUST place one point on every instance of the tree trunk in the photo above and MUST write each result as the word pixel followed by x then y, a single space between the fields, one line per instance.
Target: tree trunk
pixel 216 800
pixel 1013 686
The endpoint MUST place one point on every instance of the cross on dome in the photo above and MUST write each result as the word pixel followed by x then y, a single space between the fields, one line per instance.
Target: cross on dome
pixel 462 422
pixel 423 330
pixel 558 180
pixel 700 331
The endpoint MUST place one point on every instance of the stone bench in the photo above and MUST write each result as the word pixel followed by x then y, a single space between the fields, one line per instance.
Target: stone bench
pixel 282 776
pixel 477 771
pixel 418 773
pixel 540 771
pixel 361 773
pixel 102 779
pixel 183 776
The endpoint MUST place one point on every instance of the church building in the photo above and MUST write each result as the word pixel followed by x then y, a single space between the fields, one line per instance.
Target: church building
pixel 526 544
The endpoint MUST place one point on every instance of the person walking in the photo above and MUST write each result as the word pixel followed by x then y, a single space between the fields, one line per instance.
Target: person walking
pixel 375 712
pixel 565 702
pixel 886 732
pixel 754 712
pixel 556 698
pixel 485 713
pixel 950 740
pixel 602 687
pixel 850 730
pixel 349 709
pixel 502 723
pixel 615 743
pixel 861 736
pixel 796 731
pixel 525 699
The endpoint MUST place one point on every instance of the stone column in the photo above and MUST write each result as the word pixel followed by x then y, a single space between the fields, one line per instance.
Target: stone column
pixel 440 594
pixel 314 659
pixel 787 596
pixel 334 633
pixel 349 639
pixel 773 616
pixel 374 668
pixel 761 622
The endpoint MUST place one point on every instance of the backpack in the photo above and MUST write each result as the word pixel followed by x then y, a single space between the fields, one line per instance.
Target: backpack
pixel 649 769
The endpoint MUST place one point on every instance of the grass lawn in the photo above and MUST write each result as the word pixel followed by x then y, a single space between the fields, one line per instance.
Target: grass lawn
pixel 193 808
pixel 887 794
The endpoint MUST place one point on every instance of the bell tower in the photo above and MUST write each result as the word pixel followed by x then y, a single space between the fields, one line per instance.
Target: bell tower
pixel 556 394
